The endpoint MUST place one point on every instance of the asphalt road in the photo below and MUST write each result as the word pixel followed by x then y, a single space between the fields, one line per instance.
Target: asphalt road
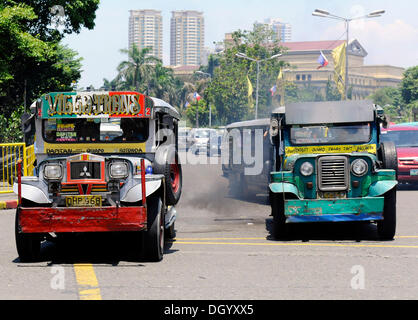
pixel 223 250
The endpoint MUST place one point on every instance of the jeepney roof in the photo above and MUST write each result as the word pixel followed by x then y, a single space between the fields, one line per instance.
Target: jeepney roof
pixel 165 107
pixel 251 123
pixel 330 112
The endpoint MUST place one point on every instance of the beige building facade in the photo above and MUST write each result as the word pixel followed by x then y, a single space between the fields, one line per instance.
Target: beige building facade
pixel 187 38
pixel 363 79
pixel 146 31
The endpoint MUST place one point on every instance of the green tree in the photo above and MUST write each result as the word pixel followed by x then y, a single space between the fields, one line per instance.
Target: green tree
pixel 73 16
pixel 136 72
pixel 228 90
pixel 32 61
pixel 409 86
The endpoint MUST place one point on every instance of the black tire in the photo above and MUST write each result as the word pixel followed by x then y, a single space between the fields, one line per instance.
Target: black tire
pixel 389 156
pixel 280 229
pixel 28 245
pixel 173 175
pixel 154 236
pixel 386 228
pixel 170 232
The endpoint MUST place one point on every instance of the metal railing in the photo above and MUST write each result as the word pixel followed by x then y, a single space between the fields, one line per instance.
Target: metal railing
pixel 10 153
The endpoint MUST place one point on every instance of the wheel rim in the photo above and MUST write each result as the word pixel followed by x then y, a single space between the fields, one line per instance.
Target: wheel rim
pixel 175 177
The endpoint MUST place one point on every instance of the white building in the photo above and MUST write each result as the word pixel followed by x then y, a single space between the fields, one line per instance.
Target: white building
pixel 187 38
pixel 146 30
pixel 282 30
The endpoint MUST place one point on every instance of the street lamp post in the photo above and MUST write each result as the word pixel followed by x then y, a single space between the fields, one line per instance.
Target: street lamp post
pixel 325 14
pixel 258 61
pixel 210 107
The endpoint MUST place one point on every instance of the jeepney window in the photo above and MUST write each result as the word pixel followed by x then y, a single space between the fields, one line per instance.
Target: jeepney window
pixel 94 130
pixel 330 134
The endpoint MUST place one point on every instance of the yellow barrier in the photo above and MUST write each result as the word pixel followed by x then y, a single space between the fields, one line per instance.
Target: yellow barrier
pixel 10 153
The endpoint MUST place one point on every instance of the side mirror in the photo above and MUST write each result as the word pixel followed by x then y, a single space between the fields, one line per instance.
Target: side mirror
pixel 28 127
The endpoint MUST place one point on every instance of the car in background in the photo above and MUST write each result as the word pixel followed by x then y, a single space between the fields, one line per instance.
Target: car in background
pixel 214 145
pixel 405 137
pixel 197 139
pixel 182 139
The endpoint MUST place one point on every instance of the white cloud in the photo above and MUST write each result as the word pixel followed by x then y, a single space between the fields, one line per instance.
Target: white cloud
pixel 395 43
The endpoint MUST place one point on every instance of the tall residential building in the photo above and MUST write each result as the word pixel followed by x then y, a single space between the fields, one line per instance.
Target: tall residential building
pixel 146 30
pixel 282 30
pixel 187 38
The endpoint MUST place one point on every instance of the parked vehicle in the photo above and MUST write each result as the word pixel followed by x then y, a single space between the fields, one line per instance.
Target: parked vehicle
pixel 405 138
pixel 197 139
pixel 240 184
pixel 331 166
pixel 214 145
pixel 101 167
pixel 182 140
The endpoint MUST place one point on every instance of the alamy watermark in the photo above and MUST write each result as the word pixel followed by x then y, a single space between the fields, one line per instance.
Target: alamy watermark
pixel 358 281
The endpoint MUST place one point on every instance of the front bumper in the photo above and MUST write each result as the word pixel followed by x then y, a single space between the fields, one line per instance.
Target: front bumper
pixel 335 210
pixel 104 219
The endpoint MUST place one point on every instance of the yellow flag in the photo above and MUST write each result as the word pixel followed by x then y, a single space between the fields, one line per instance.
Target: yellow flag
pixel 339 56
pixel 250 87
pixel 280 76
pixel 250 92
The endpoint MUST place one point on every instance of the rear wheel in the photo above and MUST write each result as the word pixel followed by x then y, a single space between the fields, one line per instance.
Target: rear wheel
pixel 154 236
pixel 386 228
pixel 28 245
pixel 170 232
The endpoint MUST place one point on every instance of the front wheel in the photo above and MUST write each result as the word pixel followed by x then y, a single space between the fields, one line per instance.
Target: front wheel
pixel 28 245
pixel 154 236
pixel 386 228
pixel 279 228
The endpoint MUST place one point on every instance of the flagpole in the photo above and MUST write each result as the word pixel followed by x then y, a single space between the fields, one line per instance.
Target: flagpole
pixel 325 14
pixel 256 90
pixel 244 56
pixel 347 23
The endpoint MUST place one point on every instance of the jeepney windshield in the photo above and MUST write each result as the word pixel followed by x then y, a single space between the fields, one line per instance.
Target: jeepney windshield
pixel 94 130
pixel 330 134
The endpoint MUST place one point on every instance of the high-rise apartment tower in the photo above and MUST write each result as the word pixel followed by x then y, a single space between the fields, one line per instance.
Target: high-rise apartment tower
pixel 146 30
pixel 187 38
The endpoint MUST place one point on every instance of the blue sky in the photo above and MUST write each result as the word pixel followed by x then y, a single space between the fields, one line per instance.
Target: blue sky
pixel 391 39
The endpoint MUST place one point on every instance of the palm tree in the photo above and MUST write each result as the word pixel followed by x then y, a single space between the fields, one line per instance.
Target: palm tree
pixel 137 72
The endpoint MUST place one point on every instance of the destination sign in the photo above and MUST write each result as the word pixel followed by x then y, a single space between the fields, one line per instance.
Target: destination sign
pixel 96 104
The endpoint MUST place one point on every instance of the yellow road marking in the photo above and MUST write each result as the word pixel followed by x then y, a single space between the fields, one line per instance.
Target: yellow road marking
pixel 87 282
pixel 297 244
pixel 406 237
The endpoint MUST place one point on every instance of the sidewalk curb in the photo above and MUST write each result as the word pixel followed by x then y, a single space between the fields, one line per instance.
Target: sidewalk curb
pixel 9 204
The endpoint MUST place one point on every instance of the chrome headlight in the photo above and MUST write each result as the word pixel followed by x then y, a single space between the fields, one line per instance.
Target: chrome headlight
pixel 359 167
pixel 53 171
pixel 306 169
pixel 118 170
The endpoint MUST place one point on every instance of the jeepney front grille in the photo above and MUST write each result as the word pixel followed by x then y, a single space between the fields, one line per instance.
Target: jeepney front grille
pixel 333 173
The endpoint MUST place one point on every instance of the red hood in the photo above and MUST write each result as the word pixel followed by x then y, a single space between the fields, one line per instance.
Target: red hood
pixel 407 152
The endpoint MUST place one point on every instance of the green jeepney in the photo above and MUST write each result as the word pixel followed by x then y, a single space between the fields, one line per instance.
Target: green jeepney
pixel 330 166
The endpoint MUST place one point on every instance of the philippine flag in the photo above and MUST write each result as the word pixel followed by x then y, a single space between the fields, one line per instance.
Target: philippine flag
pixel 196 96
pixel 322 60
pixel 273 90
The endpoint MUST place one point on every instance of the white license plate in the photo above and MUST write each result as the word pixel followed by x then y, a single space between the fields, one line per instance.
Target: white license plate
pixel 414 172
